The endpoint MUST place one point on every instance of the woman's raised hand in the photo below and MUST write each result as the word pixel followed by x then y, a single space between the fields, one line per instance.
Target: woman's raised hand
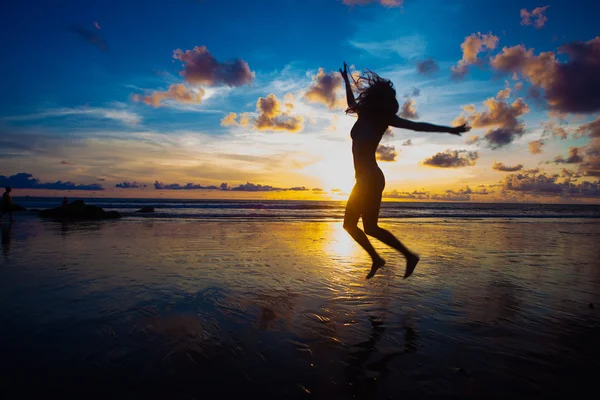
pixel 457 130
pixel 344 71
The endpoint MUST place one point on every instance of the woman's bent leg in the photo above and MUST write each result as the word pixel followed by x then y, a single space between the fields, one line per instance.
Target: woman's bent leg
pixel 351 217
pixel 370 223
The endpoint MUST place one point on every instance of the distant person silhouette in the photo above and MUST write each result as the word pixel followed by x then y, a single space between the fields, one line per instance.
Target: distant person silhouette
pixel 6 205
pixel 376 107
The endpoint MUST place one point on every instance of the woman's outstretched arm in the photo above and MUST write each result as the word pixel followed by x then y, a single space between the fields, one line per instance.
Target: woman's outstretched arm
pixel 398 122
pixel 349 95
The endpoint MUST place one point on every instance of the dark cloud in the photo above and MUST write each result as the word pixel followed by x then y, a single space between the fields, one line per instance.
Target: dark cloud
pixel 546 185
pixel 90 36
pixel 572 86
pixel 201 67
pixel 591 165
pixel 386 153
pixel 459 72
pixel 246 187
pixel 451 195
pixel 395 194
pixel 324 89
pixel 501 137
pixel 567 173
pixel 574 157
pixel 130 185
pixel 24 180
pixel 176 186
pixel 409 110
pixel 498 166
pixel 502 119
pixel 592 129
pixel 535 146
pixel 555 130
pixel 176 92
pixel 385 3
pixel 452 159
pixel 414 92
pixel 66 163
pixel 251 187
pixel 428 67
pixel 534 17
pixel 407 142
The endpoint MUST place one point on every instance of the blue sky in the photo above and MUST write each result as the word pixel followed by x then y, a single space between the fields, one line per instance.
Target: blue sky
pixel 73 69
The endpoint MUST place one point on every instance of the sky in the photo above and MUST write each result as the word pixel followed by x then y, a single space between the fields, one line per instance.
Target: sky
pixel 242 99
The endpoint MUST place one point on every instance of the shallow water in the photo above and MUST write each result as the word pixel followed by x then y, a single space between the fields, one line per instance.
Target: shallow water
pixel 184 309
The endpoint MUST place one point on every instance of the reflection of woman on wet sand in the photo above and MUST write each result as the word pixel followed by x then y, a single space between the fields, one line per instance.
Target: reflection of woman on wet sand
pixel 376 107
pixel 6 236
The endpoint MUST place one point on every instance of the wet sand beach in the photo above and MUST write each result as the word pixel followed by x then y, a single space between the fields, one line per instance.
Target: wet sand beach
pixel 181 309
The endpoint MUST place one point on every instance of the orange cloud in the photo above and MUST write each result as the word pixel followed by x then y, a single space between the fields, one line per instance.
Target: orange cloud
pixel 498 166
pixel 503 94
pixel 469 108
pixel 270 116
pixel 535 147
pixel 472 140
pixel 471 47
pixel 324 89
pixel 534 17
pixel 409 110
pixel 176 92
pixel 229 119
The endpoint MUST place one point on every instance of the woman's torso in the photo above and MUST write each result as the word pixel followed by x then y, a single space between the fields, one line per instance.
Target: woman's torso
pixel 366 135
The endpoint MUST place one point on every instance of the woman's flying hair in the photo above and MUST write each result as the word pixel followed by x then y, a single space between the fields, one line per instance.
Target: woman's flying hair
pixel 375 95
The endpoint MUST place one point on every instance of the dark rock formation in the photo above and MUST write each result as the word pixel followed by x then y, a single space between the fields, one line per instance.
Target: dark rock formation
pixel 78 210
pixel 146 209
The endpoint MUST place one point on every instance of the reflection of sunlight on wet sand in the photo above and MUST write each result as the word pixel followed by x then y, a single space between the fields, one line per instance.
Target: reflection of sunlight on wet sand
pixel 339 243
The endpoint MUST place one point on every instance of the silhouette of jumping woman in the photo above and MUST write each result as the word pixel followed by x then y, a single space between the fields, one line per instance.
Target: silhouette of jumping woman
pixel 376 107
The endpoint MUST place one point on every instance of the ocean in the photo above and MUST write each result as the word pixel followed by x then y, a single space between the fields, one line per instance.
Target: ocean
pixel 319 210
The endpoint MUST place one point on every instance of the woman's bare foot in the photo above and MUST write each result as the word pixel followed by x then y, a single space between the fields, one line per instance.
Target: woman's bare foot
pixel 411 264
pixel 376 265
